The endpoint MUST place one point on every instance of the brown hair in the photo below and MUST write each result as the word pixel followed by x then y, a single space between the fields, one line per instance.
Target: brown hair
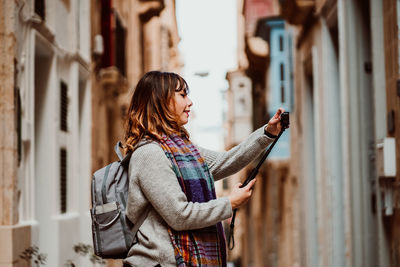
pixel 149 114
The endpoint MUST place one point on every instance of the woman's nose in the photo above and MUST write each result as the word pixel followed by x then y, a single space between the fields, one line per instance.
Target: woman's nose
pixel 190 103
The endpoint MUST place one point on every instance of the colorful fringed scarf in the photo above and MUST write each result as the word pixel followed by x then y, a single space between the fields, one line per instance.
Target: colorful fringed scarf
pixel 200 247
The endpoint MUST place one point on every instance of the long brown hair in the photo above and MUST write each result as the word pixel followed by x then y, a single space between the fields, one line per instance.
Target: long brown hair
pixel 149 114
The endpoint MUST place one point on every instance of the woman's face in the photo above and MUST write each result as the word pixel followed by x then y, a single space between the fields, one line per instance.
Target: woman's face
pixel 181 107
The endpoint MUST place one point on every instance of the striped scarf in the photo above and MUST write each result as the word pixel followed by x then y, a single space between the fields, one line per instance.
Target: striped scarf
pixel 200 247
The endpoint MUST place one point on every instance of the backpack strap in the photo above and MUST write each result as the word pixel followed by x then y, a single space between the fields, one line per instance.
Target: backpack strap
pixel 124 160
pixel 118 151
pixel 103 186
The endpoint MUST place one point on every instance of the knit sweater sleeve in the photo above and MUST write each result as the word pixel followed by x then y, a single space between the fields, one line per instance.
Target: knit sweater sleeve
pixel 223 164
pixel 153 173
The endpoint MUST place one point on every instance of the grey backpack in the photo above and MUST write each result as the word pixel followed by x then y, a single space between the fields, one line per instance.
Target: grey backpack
pixel 113 233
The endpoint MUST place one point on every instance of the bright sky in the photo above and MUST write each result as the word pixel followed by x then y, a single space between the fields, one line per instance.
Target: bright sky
pixel 208 44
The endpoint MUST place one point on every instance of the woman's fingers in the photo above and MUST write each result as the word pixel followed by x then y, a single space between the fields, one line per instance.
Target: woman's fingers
pixel 278 113
pixel 238 185
pixel 250 185
pixel 240 196
pixel 276 118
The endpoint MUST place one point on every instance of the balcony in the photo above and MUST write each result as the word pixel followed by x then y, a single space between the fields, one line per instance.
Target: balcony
pixel 112 81
pixel 150 8
pixel 297 11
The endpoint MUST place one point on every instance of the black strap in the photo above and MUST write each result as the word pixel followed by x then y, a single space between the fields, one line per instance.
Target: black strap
pixel 231 238
pixel 270 135
pixel 253 174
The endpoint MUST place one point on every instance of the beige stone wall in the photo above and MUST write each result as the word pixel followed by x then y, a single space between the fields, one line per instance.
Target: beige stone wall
pixel 110 93
pixel 391 33
pixel 314 37
pixel 8 134
pixel 269 221
pixel 13 237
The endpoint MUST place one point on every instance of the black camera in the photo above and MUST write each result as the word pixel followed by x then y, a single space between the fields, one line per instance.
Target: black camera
pixel 285 120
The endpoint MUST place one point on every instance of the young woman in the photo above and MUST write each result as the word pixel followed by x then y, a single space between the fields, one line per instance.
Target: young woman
pixel 172 180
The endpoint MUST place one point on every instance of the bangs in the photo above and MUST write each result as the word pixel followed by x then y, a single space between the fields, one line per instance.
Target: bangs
pixel 181 85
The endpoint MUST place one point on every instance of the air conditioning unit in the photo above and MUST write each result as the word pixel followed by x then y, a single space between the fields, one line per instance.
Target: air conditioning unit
pixel 98 48
pixel 386 171
pixel 386 157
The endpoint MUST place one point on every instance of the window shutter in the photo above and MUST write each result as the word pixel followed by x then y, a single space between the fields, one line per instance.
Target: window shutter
pixel 63 106
pixel 119 46
pixel 63 180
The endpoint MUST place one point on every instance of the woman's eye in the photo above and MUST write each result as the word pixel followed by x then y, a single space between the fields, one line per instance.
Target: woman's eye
pixel 183 95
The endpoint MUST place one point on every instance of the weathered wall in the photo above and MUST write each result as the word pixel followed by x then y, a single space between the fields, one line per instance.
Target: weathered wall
pixel 14 238
pixel 391 46
pixel 8 133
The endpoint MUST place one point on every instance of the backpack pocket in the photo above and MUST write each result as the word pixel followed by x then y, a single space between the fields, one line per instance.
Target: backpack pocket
pixel 109 235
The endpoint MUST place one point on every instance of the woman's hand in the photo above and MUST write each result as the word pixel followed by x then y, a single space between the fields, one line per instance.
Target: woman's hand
pixel 240 196
pixel 274 125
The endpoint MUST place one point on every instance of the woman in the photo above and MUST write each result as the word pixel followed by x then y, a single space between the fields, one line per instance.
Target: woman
pixel 172 180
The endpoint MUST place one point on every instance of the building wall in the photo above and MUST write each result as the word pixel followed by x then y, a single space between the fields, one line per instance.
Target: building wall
pixel 9 156
pixel 338 121
pixel 47 51
pixel 41 55
pixel 391 22
pixel 316 131
pixel 330 204
pixel 335 181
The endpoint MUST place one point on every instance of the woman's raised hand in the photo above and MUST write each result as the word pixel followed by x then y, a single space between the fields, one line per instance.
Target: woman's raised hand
pixel 240 196
pixel 274 126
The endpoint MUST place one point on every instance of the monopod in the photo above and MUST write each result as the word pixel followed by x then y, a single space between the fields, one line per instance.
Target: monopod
pixel 285 124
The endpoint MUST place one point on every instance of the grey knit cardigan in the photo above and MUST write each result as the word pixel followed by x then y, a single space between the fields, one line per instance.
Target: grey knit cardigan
pixel 153 187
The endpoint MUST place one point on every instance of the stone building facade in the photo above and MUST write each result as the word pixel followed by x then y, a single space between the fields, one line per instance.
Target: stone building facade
pixel 68 68
pixel 45 148
pixel 344 122
pixel 335 200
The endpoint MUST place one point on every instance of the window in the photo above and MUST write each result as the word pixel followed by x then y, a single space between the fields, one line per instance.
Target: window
pixel 119 46
pixel 282 70
pixel 114 36
pixel 40 8
pixel 63 180
pixel 18 118
pixel 281 43
pixel 63 106
pixel 18 123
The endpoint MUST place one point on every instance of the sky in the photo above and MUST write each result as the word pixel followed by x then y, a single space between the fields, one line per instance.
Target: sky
pixel 208 31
